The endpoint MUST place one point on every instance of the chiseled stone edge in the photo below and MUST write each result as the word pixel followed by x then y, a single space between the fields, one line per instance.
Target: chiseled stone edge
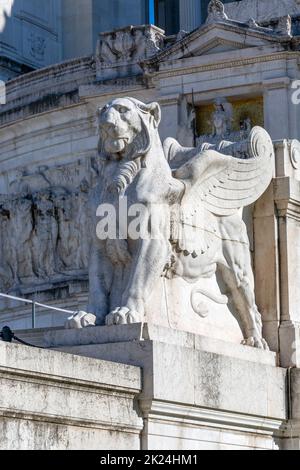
pixel 151 332
pixel 53 365
pixel 94 335
pixel 69 421
pixel 215 418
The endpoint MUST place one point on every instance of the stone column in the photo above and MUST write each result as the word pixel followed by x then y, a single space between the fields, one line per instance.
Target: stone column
pixel 277 255
pixel 276 103
pixel 287 199
pixel 169 123
pixel 266 266
pixel 291 434
pixel 190 14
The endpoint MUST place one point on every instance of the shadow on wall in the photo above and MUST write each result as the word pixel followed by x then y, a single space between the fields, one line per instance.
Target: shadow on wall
pixel 83 20
pixel 11 44
pixel 30 35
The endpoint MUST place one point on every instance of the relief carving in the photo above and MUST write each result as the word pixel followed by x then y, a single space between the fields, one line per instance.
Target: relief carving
pixel 44 234
pixel 37 46
pixel 126 47
pixel 221 124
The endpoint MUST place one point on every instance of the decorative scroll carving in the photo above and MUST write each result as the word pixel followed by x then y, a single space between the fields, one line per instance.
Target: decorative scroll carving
pixel 295 154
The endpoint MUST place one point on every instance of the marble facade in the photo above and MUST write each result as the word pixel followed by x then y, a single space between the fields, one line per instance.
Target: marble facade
pixel 48 167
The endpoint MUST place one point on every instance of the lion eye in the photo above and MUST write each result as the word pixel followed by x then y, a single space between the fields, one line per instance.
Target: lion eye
pixel 122 109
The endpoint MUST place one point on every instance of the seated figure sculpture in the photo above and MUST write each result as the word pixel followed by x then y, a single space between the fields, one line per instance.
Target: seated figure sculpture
pixel 196 197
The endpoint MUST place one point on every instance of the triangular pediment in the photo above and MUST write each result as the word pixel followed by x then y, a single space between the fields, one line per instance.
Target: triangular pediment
pixel 216 45
pixel 217 38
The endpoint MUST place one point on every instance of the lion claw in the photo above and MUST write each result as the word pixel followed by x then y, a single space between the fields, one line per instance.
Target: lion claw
pixel 256 342
pixel 80 320
pixel 122 316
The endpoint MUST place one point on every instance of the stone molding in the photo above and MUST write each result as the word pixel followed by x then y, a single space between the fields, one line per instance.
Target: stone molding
pixel 226 63
pixel 172 412
pixel 276 83
pixel 287 197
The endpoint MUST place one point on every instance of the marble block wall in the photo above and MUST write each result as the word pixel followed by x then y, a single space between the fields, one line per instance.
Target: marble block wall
pixel 55 401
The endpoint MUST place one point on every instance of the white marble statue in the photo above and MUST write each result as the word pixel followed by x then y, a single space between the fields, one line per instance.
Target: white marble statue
pixel 194 196
pixel 221 118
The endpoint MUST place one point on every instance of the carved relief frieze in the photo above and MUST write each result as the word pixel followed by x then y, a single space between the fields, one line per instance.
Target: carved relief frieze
pixel 45 225
pixel 123 48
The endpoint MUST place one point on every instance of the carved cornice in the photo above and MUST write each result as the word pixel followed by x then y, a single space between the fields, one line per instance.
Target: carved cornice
pixel 70 421
pixel 169 100
pixel 213 418
pixel 52 71
pixel 287 197
pixel 226 64
pixel 231 26
pixel 275 83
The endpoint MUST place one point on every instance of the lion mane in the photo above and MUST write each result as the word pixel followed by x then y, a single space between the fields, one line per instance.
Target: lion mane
pixel 133 160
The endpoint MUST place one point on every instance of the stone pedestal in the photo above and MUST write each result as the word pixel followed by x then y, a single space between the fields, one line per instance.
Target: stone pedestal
pixel 198 392
pixel 55 401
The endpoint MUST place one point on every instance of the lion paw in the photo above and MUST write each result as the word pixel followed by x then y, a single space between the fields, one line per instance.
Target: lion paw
pixel 122 316
pixel 80 320
pixel 256 342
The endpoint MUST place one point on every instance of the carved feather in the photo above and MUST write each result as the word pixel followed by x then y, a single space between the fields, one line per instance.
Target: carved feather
pixel 223 184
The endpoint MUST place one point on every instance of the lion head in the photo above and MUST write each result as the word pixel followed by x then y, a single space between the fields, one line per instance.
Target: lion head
pixel 126 126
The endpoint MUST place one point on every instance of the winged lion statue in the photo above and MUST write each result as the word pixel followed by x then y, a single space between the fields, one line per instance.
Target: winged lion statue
pixel 196 197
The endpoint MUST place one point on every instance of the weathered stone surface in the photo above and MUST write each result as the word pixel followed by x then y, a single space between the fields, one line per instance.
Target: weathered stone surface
pixel 188 355
pixel 231 397
pixel 199 391
pixel 64 401
pixel 56 338
pixel 42 233
pixel 50 400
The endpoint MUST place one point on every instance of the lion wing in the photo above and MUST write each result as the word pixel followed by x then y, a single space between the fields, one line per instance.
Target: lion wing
pixel 223 184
